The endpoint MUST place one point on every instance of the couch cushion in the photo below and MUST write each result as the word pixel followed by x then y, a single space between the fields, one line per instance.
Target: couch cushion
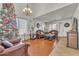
pixel 6 44
pixel 1 49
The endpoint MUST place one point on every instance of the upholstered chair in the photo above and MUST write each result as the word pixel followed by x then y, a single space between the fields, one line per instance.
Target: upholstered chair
pixel 39 34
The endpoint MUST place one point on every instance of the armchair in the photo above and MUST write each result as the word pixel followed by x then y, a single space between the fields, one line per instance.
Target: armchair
pixel 55 33
pixel 39 34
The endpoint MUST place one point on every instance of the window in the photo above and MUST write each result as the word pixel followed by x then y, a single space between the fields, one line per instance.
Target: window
pixel 52 27
pixel 21 26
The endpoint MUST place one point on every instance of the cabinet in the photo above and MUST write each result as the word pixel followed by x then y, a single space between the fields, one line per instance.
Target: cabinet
pixel 72 39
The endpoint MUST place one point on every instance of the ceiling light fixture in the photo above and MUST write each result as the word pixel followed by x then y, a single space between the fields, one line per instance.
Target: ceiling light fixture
pixel 27 10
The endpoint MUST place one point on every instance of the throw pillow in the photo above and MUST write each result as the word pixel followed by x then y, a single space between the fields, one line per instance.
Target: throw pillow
pixel 6 44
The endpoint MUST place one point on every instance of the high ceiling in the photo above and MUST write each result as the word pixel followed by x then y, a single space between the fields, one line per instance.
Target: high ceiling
pixel 46 11
pixel 58 14
pixel 43 8
pixel 38 8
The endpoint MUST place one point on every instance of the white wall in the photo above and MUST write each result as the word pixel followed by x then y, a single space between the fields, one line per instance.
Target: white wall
pixel 76 14
pixel 62 31
pixel 42 25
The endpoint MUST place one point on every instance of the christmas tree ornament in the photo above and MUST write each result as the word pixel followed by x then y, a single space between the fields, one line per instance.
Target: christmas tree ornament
pixel 6 21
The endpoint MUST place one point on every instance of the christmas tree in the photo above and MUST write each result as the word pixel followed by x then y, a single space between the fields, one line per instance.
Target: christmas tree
pixel 8 20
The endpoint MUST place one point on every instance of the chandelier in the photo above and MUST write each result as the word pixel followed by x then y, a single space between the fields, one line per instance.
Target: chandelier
pixel 27 11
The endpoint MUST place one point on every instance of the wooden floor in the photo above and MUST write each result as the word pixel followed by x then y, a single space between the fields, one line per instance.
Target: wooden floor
pixel 61 49
pixel 40 47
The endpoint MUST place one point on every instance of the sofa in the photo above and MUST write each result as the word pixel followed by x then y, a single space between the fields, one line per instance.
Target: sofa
pixel 19 49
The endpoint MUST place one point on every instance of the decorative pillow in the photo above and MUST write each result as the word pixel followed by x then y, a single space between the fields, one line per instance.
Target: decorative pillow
pixel 6 44
pixel 1 49
pixel 14 41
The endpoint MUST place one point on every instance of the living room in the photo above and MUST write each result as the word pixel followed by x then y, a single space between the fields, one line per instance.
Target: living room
pixel 44 29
